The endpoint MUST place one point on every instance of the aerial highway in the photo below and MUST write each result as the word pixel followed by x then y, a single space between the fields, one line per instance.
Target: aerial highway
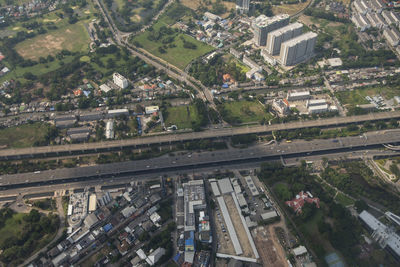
pixel 261 152
pixel 165 139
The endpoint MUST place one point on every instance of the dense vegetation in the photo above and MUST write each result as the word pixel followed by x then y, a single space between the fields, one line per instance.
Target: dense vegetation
pixel 359 181
pixel 330 226
pixel 211 73
pixel 24 233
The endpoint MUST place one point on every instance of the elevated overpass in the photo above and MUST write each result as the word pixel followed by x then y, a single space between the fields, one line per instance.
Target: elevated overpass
pixel 257 153
pixel 172 138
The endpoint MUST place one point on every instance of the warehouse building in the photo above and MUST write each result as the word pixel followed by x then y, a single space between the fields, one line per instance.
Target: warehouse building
pixel 263 25
pixel 298 49
pixel 117 112
pixel 318 109
pixel 110 129
pixel 298 95
pixel 277 37
pixel 315 102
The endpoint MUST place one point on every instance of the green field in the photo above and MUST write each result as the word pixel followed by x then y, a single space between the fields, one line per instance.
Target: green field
pixel 357 97
pixel 177 55
pixel 181 116
pixel 22 136
pixel 247 111
pixel 38 69
pixel 344 200
pixel 73 37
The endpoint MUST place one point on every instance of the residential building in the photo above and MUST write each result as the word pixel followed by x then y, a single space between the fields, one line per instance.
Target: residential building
pixel 281 106
pixel 263 25
pixel 361 7
pixel 376 20
pixel 392 36
pixel 243 6
pixel 120 80
pixel 298 202
pixel 105 88
pixel 361 22
pixel 251 64
pixel 391 17
pixel 151 109
pixel 298 49
pixel 277 37
pixel 236 53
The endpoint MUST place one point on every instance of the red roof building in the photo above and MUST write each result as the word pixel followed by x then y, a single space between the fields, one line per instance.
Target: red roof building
pixel 298 203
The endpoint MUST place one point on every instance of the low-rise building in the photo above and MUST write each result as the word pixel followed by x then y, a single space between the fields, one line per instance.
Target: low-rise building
pixel 120 80
pixel 281 106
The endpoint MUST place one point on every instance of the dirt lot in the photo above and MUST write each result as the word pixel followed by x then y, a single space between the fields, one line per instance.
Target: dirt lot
pixel 271 252
pixel 239 228
pixel 289 9
pixel 225 245
pixel 195 4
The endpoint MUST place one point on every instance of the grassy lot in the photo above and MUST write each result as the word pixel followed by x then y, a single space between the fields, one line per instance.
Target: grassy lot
pixel 177 54
pixel 247 111
pixel 344 200
pixel 22 136
pixel 357 97
pixel 181 116
pixel 38 69
pixel 55 41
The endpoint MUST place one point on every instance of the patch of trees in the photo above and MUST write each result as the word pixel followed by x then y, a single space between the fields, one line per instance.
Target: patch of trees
pixel 36 227
pixel 211 73
pixel 202 145
pixel 359 181
pixel 189 45
pixel 243 139
pixel 202 114
pixel 318 13
pixel 218 8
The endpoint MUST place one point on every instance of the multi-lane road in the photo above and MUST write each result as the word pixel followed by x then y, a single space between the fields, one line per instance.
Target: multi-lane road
pixel 260 152
pixel 86 148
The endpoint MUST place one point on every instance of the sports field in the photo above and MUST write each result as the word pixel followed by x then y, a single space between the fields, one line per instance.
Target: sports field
pixel 73 37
